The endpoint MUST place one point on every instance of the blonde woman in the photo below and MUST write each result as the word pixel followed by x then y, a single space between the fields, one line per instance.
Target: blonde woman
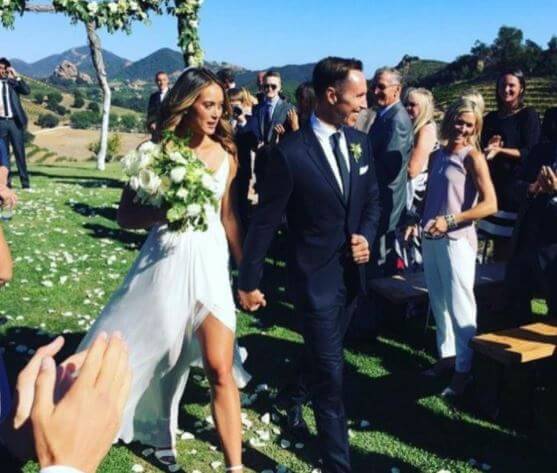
pixel 176 302
pixel 459 193
pixel 420 106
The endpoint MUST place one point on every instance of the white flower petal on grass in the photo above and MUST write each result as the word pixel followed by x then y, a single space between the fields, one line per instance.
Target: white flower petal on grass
pixel 174 468
pixel 47 283
pixel 187 436
pixel 147 452
pixel 256 443
pixel 443 471
pixel 261 388
pixel 276 430
pixel 284 443
pixel 266 418
pixel 264 435
pixel 216 465
pixel 137 468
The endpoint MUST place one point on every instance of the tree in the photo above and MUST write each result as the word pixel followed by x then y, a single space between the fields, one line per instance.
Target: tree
pixel 552 44
pixel 54 98
pixel 93 107
pixel 38 98
pixel 78 100
pixel 507 47
pixel 480 50
pixel 47 120
pixel 532 55
pixel 128 122
pixel 84 120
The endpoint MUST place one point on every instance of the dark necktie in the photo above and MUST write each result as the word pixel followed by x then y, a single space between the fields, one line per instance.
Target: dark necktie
pixel 5 98
pixel 341 163
pixel 267 119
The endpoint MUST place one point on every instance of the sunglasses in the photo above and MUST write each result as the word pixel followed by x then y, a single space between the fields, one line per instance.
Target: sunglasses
pixel 270 86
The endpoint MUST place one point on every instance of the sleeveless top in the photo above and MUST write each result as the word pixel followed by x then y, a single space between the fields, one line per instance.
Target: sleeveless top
pixel 451 190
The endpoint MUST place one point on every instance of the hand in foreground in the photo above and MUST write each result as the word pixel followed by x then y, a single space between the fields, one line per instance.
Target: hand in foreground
pixel 8 197
pixel 493 147
pixel 252 300
pixel 79 430
pixel 280 130
pixel 16 431
pixel 437 227
pixel 360 249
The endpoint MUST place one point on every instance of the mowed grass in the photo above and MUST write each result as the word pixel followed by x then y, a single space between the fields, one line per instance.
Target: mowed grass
pixel 70 256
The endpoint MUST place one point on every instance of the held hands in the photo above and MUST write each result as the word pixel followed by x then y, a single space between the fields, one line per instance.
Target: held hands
pixel 410 232
pixel 280 130
pixel 437 227
pixel 252 300
pixel 360 249
pixel 79 430
pixel 8 197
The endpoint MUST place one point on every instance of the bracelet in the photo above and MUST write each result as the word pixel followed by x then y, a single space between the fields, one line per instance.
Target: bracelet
pixel 451 221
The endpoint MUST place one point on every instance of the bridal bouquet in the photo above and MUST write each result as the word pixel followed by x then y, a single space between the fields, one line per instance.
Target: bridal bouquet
pixel 169 175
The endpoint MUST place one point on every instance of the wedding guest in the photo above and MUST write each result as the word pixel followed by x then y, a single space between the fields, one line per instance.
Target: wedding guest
pixel 533 265
pixel 73 434
pixel 227 77
pixel 13 119
pixel 368 115
pixel 6 263
pixel 259 81
pixel 8 197
pixel 242 103
pixel 420 106
pixel 155 100
pixel 509 134
pixel 459 193
pixel 392 138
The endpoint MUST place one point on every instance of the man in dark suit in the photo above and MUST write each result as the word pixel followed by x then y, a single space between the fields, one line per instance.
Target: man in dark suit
pixel 13 119
pixel 155 100
pixel 322 177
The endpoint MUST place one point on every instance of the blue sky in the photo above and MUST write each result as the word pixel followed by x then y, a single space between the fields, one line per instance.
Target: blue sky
pixel 262 33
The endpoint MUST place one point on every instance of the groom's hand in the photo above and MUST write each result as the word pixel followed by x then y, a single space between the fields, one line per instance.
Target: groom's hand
pixel 252 300
pixel 360 249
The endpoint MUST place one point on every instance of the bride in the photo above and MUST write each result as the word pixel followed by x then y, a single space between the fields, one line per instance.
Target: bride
pixel 176 303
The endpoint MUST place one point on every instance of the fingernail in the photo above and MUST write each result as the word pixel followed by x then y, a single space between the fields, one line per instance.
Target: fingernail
pixel 103 336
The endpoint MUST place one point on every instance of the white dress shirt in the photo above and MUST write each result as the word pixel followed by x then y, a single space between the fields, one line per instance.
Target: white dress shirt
pixel 163 95
pixel 60 469
pixel 324 131
pixel 5 98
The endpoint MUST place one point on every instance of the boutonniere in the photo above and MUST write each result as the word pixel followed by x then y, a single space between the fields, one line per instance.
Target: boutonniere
pixel 356 150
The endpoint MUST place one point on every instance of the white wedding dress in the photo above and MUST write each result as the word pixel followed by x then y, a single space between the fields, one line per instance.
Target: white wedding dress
pixel 175 282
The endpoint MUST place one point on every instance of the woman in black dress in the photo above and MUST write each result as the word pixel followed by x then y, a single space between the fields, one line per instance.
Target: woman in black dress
pixel 509 134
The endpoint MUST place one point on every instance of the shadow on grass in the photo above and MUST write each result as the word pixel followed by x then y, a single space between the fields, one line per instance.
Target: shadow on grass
pixel 87 181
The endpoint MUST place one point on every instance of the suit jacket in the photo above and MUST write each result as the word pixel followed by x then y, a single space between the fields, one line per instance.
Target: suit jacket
pixel 365 120
pixel 15 89
pixel 256 124
pixel 301 183
pixel 392 138
pixel 153 107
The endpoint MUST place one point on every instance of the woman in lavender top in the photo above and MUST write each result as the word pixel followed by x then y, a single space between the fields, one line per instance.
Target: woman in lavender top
pixel 459 192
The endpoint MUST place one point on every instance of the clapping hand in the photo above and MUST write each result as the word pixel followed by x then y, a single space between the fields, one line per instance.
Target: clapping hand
pixel 79 430
pixel 360 249
pixel 547 180
pixel 493 147
pixel 293 119
pixel 252 300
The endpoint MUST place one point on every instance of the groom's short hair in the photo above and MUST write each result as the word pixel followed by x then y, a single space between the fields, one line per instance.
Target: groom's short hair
pixel 330 71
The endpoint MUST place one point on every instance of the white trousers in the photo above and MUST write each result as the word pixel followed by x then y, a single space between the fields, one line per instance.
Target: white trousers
pixel 450 267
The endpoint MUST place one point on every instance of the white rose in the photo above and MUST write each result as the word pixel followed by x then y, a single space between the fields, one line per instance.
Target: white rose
pixel 208 182
pixel 193 210
pixel 134 183
pixel 133 5
pixel 177 174
pixel 149 181
pixel 92 7
pixel 113 7
pixel 191 48
pixel 182 193
pixel 193 23
pixel 131 163
pixel 6 3
pixel 176 157
pixel 149 147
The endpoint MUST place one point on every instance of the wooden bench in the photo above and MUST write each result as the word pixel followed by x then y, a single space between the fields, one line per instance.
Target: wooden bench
pixel 411 287
pixel 519 345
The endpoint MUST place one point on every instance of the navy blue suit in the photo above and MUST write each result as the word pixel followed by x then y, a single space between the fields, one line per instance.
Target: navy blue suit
pixel 322 275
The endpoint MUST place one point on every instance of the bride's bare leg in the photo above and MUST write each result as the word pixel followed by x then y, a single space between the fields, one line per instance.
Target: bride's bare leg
pixel 217 344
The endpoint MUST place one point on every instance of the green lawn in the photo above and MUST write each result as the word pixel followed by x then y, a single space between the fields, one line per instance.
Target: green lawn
pixel 70 256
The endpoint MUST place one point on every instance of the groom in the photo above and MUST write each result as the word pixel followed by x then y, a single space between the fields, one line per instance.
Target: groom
pixel 323 178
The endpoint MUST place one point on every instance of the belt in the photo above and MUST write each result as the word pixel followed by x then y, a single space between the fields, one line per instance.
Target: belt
pixel 6 118
pixel 429 236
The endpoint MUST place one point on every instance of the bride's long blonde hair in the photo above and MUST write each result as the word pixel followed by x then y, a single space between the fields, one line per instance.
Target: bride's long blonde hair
pixel 182 96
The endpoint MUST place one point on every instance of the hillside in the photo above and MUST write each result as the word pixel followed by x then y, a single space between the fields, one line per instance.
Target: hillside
pixel 79 56
pixel 415 69
pixel 541 92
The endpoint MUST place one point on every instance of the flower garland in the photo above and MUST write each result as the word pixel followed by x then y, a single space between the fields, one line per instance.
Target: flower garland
pixel 120 14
